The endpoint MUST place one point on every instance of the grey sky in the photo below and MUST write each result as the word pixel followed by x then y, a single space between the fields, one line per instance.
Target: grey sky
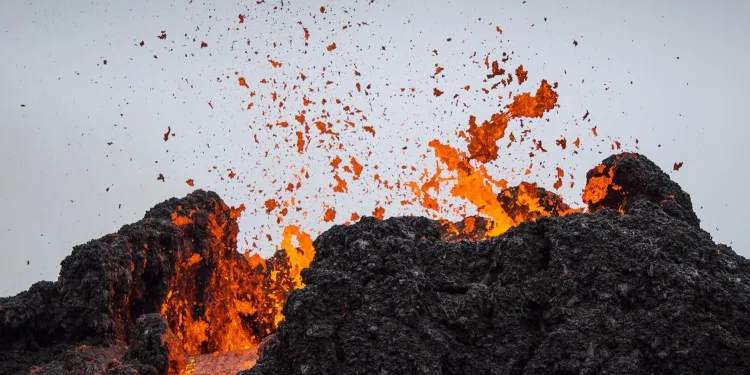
pixel 686 59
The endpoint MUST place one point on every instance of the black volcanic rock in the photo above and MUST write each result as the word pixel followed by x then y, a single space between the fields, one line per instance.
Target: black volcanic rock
pixel 647 292
pixel 82 323
pixel 110 292
pixel 155 351
pixel 104 285
pixel 636 179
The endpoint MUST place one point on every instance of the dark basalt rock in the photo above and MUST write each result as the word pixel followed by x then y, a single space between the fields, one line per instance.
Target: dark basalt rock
pixel 639 179
pixel 104 285
pixel 82 323
pixel 647 292
pixel 156 350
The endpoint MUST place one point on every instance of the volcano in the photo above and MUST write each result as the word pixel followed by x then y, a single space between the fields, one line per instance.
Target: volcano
pixel 631 286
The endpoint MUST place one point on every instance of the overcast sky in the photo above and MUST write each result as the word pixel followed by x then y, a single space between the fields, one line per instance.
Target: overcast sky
pixel 671 74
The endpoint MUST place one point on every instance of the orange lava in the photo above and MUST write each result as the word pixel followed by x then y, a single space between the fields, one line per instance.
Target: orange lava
pixel 299 256
pixel 225 363
pixel 483 138
pixel 208 327
pixel 472 182
pixel 330 215
pixel 471 185
pixel 597 187
pixel 220 301
pixel 525 105
pixel 476 186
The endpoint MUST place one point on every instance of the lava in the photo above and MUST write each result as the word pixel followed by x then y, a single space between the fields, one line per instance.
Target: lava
pixel 299 257
pixel 475 185
pixel 220 300
pixel 598 185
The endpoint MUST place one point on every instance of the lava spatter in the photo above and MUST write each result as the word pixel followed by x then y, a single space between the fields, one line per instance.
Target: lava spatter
pixel 321 136
pixel 475 185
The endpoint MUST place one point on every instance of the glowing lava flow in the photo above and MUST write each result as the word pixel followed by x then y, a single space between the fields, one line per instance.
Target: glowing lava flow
pixel 203 305
pixel 220 300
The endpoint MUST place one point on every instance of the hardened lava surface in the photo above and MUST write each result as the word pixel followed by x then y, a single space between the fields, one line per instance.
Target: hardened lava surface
pixel 144 299
pixel 635 287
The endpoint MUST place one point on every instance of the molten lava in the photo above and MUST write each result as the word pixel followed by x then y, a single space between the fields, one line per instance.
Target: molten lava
pixel 598 184
pixel 483 139
pixel 299 257
pixel 220 300
pixel 527 201
pixel 520 203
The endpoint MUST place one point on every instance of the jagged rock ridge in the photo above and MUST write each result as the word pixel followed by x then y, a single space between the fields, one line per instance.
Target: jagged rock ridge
pixel 642 292
pixel 105 311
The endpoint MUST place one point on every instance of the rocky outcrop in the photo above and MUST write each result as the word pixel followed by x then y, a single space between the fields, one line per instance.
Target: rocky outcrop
pixel 635 287
pixel 111 292
pixel 633 178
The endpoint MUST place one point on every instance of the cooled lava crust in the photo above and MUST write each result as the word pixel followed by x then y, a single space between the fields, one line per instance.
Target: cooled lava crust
pixel 123 304
pixel 635 287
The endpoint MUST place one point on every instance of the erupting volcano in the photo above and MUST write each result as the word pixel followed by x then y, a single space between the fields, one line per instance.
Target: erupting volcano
pixel 498 278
